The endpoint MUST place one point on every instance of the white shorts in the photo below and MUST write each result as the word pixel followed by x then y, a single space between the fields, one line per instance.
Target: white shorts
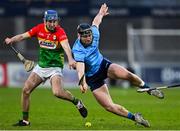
pixel 47 73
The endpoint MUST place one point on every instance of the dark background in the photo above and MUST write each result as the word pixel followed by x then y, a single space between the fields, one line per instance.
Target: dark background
pixel 18 16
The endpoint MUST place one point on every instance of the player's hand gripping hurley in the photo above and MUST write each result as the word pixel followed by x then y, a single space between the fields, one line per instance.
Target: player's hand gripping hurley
pixel 161 87
pixel 81 80
pixel 28 64
pixel 83 86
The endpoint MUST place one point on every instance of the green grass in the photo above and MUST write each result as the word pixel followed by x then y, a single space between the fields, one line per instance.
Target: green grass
pixel 49 113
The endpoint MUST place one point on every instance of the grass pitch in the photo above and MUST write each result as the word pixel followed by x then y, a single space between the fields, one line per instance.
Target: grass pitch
pixel 49 113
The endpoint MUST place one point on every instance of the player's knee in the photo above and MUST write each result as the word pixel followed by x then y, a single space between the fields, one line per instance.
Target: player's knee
pixel 26 89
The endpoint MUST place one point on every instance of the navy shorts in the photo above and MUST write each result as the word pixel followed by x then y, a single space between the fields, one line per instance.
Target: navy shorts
pixel 98 79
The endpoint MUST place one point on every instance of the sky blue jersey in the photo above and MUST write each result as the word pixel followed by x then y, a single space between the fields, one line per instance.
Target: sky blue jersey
pixel 89 55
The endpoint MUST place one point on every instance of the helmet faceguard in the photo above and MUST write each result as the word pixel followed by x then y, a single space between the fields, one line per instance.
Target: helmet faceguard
pixel 84 30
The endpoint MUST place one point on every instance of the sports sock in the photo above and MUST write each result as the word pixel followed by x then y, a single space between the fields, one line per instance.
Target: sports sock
pixel 25 115
pixel 75 100
pixel 131 116
pixel 142 83
pixel 144 86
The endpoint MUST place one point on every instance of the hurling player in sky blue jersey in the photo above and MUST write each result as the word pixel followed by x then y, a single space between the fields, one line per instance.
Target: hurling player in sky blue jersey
pixel 97 68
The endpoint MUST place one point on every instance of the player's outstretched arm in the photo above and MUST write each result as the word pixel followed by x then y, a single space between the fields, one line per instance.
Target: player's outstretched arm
pixel 67 49
pixel 103 11
pixel 17 38
pixel 80 67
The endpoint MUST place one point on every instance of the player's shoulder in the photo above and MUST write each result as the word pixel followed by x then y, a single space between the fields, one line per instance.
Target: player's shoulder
pixel 77 45
pixel 94 28
pixel 59 29
pixel 36 28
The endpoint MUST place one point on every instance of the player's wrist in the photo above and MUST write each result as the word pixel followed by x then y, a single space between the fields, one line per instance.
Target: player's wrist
pixel 101 14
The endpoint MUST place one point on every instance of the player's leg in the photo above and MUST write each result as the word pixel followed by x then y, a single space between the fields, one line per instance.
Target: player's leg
pixel 104 99
pixel 118 72
pixel 31 83
pixel 57 89
pixel 60 92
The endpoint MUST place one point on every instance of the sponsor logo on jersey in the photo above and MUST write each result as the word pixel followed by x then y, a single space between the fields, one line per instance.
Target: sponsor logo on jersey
pixel 47 44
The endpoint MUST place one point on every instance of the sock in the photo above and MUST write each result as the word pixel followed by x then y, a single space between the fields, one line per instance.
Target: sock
pixel 25 115
pixel 131 116
pixel 144 86
pixel 75 100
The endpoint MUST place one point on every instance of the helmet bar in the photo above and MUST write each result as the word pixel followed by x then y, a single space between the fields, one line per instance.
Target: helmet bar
pixel 86 33
pixel 84 29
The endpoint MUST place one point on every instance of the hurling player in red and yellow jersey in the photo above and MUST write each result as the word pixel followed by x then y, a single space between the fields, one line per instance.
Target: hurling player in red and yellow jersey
pixel 53 42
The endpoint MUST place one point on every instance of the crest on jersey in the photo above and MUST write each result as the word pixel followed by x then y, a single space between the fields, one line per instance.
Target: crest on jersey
pixel 54 37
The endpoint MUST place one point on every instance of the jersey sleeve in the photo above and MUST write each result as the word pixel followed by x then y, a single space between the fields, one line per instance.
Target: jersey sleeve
pixel 62 35
pixel 78 54
pixel 33 31
pixel 95 31
pixel 96 35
